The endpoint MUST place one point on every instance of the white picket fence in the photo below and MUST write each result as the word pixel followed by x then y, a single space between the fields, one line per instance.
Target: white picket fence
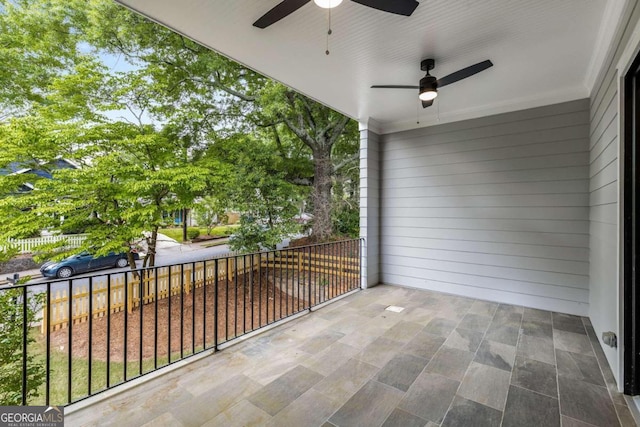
pixel 27 246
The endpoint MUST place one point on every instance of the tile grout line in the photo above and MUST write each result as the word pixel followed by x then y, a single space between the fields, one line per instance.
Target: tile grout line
pixel 555 359
pixel 369 378
pixel 606 385
pixel 474 356
pixel 513 368
pixel 532 391
pixel 580 421
pixel 434 355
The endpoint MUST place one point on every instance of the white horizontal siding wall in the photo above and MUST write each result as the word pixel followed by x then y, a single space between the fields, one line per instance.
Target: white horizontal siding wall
pixel 603 230
pixel 370 206
pixel 495 208
pixel 604 167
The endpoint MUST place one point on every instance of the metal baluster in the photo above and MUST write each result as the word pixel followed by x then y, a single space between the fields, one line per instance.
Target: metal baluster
pixel 235 299
pixel 274 285
pixel 266 279
pixel 141 276
pixel 204 305
pixel 280 289
pixel 181 311
pixel 251 285
pixel 244 294
pixel 226 303
pixel 25 342
pixel 215 307
pixel 126 318
pixel 169 317
pixel 155 326
pixel 287 252
pixel 69 339
pixel 90 344
pixel 193 308
pixel 48 345
pixel 108 330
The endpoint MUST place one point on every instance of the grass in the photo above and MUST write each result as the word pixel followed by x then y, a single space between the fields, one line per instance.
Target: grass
pixel 58 382
pixel 221 231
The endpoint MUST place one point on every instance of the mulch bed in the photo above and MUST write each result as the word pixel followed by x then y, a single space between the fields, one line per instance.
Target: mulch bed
pixel 244 304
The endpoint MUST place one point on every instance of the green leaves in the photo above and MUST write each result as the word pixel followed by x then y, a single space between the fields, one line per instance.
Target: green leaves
pixel 155 121
pixel 12 337
pixel 210 211
pixel 255 186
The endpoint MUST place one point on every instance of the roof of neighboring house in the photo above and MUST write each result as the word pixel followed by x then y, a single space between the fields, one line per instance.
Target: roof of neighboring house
pixel 45 171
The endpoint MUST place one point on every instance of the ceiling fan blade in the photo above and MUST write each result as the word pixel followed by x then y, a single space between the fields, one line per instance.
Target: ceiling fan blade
pixel 394 87
pixel 464 73
pixel 426 104
pixel 281 10
pixel 399 7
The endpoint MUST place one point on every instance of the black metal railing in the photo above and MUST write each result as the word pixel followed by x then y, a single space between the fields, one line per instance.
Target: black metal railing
pixel 82 336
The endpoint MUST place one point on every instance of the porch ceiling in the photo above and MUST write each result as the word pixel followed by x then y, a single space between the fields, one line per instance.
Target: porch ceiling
pixel 544 51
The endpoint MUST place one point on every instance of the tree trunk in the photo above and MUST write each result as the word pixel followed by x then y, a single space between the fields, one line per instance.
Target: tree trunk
pixel 184 225
pixel 132 264
pixel 150 259
pixel 321 195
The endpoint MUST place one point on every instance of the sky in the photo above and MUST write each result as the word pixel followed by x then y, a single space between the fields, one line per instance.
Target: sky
pixel 118 63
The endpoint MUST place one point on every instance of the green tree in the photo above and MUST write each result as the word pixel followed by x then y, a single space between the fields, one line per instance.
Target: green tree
pixel 204 91
pixel 254 185
pixel 36 46
pixel 210 212
pixel 132 171
pixel 12 338
pixel 175 99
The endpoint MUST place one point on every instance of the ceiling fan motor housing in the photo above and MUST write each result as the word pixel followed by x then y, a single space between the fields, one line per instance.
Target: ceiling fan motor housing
pixel 428 83
pixel 427 64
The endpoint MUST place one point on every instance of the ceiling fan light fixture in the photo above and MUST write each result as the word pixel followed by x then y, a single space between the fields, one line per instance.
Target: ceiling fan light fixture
pixel 428 95
pixel 327 4
pixel 428 88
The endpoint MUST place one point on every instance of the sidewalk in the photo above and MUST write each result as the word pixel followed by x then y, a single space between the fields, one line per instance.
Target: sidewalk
pixel 35 274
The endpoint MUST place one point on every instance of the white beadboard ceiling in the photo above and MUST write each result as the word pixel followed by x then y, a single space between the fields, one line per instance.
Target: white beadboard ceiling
pixel 544 51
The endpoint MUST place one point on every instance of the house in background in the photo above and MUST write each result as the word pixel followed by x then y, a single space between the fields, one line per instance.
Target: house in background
pixel 44 170
pixel 516 184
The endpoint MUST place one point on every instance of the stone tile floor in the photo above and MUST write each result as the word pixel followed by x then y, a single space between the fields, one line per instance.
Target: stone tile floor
pixel 444 360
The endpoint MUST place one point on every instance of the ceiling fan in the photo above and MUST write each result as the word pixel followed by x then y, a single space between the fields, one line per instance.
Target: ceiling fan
pixel 287 7
pixel 428 88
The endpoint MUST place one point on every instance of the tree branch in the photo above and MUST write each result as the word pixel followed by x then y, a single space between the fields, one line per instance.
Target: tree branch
pixel 230 91
pixel 345 162
pixel 279 142
pixel 338 129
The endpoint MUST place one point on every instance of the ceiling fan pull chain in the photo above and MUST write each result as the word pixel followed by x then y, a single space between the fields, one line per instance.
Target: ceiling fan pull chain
pixel 328 32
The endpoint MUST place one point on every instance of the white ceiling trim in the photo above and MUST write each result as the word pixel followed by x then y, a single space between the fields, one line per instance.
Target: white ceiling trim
pixel 549 98
pixel 608 33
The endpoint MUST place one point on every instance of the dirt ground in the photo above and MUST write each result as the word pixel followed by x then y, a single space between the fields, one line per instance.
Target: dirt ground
pixel 244 304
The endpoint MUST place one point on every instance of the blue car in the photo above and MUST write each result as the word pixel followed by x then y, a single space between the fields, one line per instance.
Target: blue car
pixel 83 262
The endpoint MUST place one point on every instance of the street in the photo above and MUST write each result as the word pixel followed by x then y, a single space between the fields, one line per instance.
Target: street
pixel 168 255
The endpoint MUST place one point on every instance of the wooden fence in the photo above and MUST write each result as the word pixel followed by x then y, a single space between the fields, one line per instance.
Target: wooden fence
pixel 26 246
pixel 110 291
pixel 315 263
